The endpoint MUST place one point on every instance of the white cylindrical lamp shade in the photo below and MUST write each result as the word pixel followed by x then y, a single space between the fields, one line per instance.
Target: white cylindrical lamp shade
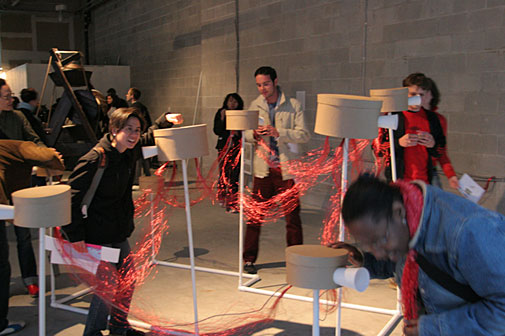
pixel 241 120
pixel 347 116
pixel 42 207
pixel 393 100
pixel 355 278
pixel 181 143
pixel 312 266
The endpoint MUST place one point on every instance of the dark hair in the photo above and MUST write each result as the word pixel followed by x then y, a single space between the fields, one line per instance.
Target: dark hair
pixel 111 92
pixel 28 94
pixel 369 196
pixel 267 71
pixel 435 94
pixel 136 93
pixel 237 97
pixel 15 102
pixel 418 79
pixel 2 82
pixel 120 116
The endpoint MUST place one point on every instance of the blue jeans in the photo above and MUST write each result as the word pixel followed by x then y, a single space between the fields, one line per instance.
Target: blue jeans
pixel 99 310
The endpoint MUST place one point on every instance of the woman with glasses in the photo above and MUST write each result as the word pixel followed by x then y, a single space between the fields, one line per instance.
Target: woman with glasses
pixel 454 274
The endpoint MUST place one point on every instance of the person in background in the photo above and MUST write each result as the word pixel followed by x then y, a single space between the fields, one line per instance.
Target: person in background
pixel 283 123
pixel 121 102
pixel 418 139
pixel 227 186
pixel 430 103
pixel 16 161
pixel 132 97
pixel 452 281
pixel 15 126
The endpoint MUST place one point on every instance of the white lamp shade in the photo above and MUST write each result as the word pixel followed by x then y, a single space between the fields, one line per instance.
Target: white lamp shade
pixel 42 207
pixel 393 100
pixel 312 266
pixel 241 120
pixel 355 278
pixel 6 211
pixel 347 116
pixel 181 143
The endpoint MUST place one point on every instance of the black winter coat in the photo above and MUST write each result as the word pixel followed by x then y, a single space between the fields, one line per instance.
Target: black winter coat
pixel 110 214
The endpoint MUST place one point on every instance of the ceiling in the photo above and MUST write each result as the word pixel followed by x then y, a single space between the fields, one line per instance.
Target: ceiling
pixel 45 5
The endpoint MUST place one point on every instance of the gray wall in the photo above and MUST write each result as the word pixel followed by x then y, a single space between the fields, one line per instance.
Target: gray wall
pixel 318 47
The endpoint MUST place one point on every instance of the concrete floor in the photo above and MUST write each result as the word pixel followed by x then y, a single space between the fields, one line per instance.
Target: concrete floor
pixel 169 293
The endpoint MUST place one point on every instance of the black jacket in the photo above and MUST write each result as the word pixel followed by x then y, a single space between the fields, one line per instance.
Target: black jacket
pixel 36 124
pixel 221 131
pixel 110 214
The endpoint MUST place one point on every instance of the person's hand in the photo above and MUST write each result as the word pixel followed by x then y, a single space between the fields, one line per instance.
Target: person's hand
pixel 58 154
pixel 453 182
pixel 355 256
pixel 174 118
pixel 268 130
pixel 408 140
pixel 425 139
pixel 410 328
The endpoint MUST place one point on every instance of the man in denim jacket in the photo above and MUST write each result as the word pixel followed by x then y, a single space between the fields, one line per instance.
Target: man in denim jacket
pixel 460 238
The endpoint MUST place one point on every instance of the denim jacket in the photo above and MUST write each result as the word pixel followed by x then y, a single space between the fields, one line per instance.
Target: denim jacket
pixel 467 242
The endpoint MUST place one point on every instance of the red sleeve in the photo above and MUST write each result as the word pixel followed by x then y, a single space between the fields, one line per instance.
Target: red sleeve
pixel 444 160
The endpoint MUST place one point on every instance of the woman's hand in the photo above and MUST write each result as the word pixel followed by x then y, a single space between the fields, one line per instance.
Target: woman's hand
pixel 408 140
pixel 454 183
pixel 425 139
pixel 355 256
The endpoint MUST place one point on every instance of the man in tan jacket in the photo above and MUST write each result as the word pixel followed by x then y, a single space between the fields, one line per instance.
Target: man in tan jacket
pixel 282 127
pixel 16 161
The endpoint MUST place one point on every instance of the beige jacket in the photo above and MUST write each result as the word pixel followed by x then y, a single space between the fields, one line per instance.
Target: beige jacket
pixel 289 122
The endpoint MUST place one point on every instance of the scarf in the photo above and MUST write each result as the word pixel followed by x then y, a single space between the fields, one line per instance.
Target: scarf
pixel 413 202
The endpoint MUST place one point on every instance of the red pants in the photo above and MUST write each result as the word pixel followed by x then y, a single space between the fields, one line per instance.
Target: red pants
pixel 264 189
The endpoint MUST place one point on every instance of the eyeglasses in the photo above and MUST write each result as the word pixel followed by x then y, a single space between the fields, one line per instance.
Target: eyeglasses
pixel 7 96
pixel 380 242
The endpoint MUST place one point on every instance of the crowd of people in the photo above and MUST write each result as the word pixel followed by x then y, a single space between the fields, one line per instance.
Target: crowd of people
pixel 430 240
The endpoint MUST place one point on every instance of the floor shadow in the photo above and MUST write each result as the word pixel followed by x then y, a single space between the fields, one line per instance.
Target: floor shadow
pixel 277 264
pixel 184 253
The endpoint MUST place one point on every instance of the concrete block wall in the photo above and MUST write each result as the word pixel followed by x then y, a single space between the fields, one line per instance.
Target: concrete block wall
pixel 320 46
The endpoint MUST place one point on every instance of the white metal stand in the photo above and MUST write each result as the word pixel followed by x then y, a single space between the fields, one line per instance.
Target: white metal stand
pixel 42 282
pixel 315 312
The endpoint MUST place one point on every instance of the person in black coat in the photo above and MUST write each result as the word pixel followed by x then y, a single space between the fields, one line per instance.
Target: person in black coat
pixel 229 167
pixel 110 219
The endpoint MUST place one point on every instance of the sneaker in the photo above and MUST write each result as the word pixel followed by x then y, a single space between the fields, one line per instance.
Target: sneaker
pixel 13 327
pixel 232 210
pixel 250 268
pixel 33 290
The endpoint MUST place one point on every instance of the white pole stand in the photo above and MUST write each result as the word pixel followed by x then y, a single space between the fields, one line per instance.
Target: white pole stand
pixel 42 282
pixel 190 240
pixel 315 312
